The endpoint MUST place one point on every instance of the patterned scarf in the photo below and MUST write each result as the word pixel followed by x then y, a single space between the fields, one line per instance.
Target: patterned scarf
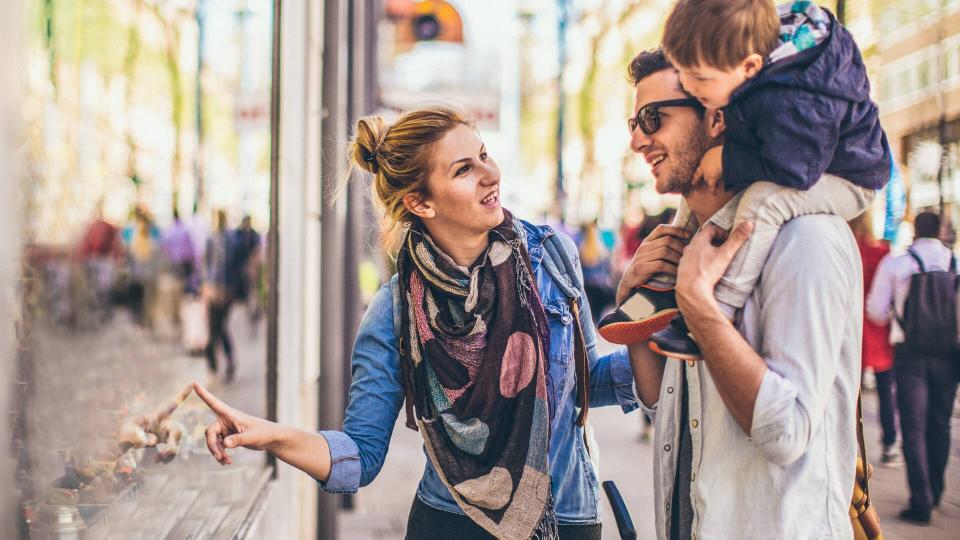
pixel 474 348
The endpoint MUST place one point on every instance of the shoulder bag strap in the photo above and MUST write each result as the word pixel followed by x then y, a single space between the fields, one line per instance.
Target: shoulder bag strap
pixel 863 453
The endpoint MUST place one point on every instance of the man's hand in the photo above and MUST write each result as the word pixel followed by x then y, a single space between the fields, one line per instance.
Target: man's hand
pixel 234 428
pixel 704 262
pixel 711 167
pixel 658 254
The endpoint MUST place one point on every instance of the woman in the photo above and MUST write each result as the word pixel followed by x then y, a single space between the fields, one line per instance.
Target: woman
pixel 877 351
pixel 480 339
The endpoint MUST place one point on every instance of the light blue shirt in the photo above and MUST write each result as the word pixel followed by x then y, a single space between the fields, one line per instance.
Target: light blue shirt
pixel 793 478
pixel 376 396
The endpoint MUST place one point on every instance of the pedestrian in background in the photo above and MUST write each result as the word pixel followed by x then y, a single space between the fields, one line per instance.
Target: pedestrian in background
pixel 877 351
pixel 925 358
pixel 483 321
pixel 595 262
pixel 219 278
pixel 180 251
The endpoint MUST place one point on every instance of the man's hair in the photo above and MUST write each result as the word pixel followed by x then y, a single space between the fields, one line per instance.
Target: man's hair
pixel 653 61
pixel 720 33
pixel 926 225
pixel 647 63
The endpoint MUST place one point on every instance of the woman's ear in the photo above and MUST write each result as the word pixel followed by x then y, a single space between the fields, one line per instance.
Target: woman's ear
pixel 715 123
pixel 418 205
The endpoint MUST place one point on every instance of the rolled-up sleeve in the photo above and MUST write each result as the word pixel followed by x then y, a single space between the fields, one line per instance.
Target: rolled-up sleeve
pixel 808 310
pixel 376 393
pixel 344 463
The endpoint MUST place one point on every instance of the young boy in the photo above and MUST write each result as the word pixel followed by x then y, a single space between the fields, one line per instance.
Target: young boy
pixel 802 137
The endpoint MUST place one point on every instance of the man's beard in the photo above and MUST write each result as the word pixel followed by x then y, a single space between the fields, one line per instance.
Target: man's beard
pixel 686 159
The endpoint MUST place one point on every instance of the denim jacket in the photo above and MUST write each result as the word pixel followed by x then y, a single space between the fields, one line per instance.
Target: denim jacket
pixel 376 396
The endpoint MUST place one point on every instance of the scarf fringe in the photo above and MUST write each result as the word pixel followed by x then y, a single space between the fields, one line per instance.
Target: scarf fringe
pixel 547 528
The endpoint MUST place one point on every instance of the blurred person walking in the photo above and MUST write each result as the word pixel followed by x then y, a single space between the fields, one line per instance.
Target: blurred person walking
pixel 916 294
pixel 595 263
pixel 246 262
pixel 877 351
pixel 100 249
pixel 219 280
pixel 180 252
pixel 143 262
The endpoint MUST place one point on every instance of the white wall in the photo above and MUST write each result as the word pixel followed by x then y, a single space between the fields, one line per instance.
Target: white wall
pixel 11 70
pixel 291 511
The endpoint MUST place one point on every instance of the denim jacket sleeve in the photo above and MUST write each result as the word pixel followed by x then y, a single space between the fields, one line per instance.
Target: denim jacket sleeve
pixel 376 395
pixel 611 377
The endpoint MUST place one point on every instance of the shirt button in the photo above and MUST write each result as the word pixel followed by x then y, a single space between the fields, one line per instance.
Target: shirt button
pixel 693 536
pixel 666 448
pixel 694 423
pixel 669 389
pixel 693 477
pixel 668 506
pixel 690 363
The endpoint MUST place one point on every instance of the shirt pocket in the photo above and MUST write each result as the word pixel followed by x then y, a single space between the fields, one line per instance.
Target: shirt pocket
pixel 560 372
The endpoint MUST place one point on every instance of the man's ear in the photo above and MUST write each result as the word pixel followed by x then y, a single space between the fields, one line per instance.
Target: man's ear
pixel 715 124
pixel 418 205
pixel 752 65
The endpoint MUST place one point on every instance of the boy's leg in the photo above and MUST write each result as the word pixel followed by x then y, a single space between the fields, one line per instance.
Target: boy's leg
pixel 768 206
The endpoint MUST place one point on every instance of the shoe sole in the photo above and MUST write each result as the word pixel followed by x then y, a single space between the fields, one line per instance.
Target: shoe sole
pixel 675 355
pixel 630 333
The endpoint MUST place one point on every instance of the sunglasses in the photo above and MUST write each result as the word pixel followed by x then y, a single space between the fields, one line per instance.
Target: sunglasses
pixel 648 117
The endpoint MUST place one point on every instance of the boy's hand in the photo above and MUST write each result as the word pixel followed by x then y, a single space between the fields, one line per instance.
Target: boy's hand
pixel 711 167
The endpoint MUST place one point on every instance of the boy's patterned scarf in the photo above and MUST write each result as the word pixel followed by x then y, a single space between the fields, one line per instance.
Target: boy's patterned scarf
pixel 803 25
pixel 474 349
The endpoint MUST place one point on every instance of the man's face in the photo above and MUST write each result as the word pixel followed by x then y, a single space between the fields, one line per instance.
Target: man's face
pixel 675 149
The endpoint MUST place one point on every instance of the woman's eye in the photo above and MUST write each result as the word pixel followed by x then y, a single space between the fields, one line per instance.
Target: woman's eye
pixel 483 156
pixel 463 170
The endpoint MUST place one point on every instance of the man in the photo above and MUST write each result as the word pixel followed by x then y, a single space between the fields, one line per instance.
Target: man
pixel 759 437
pixel 926 381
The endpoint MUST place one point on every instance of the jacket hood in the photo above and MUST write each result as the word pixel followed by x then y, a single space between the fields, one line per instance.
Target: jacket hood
pixel 834 68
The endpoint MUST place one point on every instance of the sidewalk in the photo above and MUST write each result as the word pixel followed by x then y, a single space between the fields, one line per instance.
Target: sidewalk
pixel 380 510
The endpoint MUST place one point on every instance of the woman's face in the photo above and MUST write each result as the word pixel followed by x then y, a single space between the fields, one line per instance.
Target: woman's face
pixel 463 188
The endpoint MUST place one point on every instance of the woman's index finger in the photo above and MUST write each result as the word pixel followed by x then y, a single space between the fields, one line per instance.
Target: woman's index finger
pixel 212 401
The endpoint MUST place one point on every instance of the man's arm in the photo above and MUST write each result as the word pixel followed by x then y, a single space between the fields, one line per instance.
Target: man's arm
pixel 810 292
pixel 736 369
pixel 658 254
pixel 880 299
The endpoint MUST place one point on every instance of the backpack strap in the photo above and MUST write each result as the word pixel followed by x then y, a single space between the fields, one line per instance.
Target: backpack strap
pixel 569 283
pixel 923 269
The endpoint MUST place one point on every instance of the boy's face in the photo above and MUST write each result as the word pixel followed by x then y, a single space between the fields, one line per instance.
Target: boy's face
pixel 713 86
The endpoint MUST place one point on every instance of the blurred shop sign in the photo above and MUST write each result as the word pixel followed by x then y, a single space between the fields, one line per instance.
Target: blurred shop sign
pixel 428 58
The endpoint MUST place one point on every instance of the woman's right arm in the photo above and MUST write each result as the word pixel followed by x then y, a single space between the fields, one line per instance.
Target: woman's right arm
pixel 341 460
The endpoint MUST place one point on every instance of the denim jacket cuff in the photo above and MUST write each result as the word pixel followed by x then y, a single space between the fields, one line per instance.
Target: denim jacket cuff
pixel 344 463
pixel 623 380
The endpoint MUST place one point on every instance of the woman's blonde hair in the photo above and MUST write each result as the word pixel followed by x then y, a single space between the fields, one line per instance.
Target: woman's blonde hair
pixel 398 156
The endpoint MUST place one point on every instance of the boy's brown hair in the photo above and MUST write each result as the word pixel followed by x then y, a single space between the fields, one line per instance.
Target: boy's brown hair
pixel 720 33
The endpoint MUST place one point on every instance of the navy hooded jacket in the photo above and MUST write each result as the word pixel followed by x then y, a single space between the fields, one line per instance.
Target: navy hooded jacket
pixel 804 115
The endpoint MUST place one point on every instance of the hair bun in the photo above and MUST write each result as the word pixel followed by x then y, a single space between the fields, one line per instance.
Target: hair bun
pixel 370 132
